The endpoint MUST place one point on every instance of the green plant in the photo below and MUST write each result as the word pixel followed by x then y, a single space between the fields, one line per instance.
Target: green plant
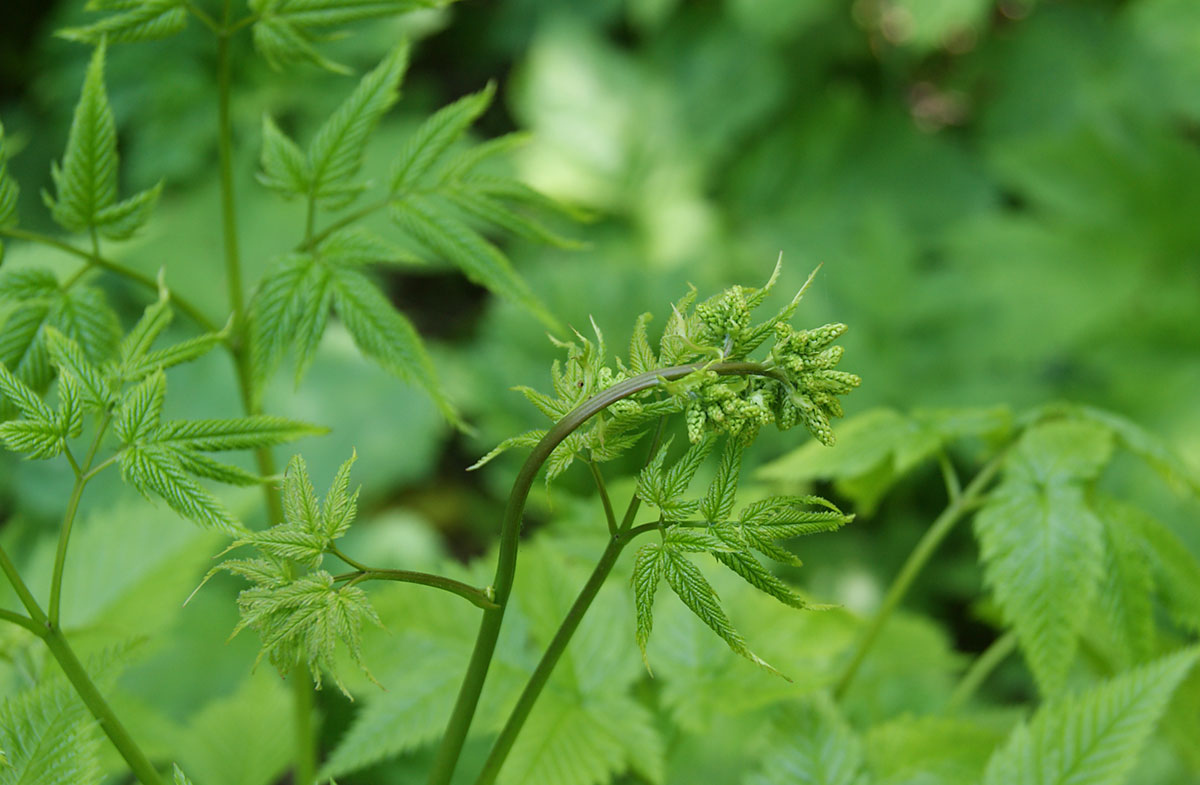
pixel 1099 597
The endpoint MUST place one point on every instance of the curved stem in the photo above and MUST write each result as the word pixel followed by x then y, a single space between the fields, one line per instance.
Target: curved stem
pixel 450 749
pixel 477 597
pixel 916 561
pixel 22 621
pixel 541 674
pixel 983 666
pixel 145 281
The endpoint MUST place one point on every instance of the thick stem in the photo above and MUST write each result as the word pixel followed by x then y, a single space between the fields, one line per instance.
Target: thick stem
pixel 139 764
pixel 22 621
pixel 450 749
pixel 541 674
pixel 303 728
pixel 916 561
pixel 983 666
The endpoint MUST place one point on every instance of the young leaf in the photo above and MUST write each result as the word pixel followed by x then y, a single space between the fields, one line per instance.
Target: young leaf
pixel 722 493
pixel 274 311
pixel 754 573
pixel 1094 738
pixel 170 356
pixel 647 572
pixel 70 359
pixel 86 182
pixel 155 469
pixel 336 152
pixel 479 260
pixel 689 584
pixel 36 439
pixel 435 136
pixel 385 335
pixel 123 219
pixel 641 356
pixel 284 166
pixel 141 409
pixel 494 212
pixel 155 318
pixel 8 190
pixel 137 20
pixel 239 433
pixel 341 506
pixel 24 398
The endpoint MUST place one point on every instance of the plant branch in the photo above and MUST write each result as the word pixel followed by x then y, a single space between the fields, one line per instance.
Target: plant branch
pixel 145 281
pixel 949 476
pixel 609 515
pixel 916 561
pixel 22 621
pixel 477 597
pixel 313 240
pixel 82 476
pixel 983 666
pixel 446 759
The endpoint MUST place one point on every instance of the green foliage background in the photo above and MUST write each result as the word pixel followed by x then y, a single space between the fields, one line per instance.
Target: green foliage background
pixel 1006 200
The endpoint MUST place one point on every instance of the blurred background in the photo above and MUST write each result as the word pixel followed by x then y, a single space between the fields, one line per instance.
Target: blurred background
pixel 1004 196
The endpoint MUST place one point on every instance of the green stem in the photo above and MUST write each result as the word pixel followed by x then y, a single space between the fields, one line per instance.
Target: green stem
pixel 541 674
pixel 138 763
pixel 446 759
pixel 145 281
pixel 983 666
pixel 602 489
pixel 82 476
pixel 478 597
pixel 40 626
pixel 312 240
pixel 233 270
pixel 303 727
pixel 916 561
pixel 22 621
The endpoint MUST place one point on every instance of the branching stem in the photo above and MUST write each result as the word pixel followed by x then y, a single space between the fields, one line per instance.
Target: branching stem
pixel 983 666
pixel 83 474
pixel 477 597
pixel 602 489
pixel 448 753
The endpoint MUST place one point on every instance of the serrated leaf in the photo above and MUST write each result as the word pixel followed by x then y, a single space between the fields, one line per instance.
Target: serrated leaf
pixel 677 479
pixel 122 220
pixel 647 572
pixel 355 246
pixel 1146 446
pixel 300 506
pixel 754 573
pixel 145 20
pixel 24 398
pixel 284 165
pixel 285 30
pixel 34 439
pixel 180 777
pixel 286 541
pixel 67 355
pixel 202 465
pixel 480 260
pixel 435 136
pixel 1043 553
pixel 86 182
pixel 70 407
pixel 141 409
pixel 722 493
pixel 1127 587
pixel 48 739
pixel 8 190
pixel 155 470
pixel 385 335
pixel 274 311
pixel 1176 569
pixel 341 506
pixel 494 212
pixel 155 318
pixel 170 356
pixel 1093 738
pixel 237 739
pixel 336 152
pixel 527 439
pixel 237 433
pixel 686 580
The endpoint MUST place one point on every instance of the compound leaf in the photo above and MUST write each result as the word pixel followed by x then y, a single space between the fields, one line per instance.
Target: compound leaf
pixel 238 433
pixel 156 470
pixel 284 166
pixel 435 136
pixel 1093 738
pixel 143 20
pixel 141 409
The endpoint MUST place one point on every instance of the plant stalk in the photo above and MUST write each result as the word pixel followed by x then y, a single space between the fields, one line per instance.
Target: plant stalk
pixel 455 735
pixel 476 597
pixel 139 764
pixel 933 537
pixel 983 666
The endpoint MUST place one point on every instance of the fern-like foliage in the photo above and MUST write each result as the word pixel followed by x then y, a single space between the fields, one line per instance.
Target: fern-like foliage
pixel 1042 544
pixel 300 611
pixel 131 20
pixel 732 543
pixel 287 31
pixel 291 307
pixel 798 386
pixel 1093 738
pixel 86 180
